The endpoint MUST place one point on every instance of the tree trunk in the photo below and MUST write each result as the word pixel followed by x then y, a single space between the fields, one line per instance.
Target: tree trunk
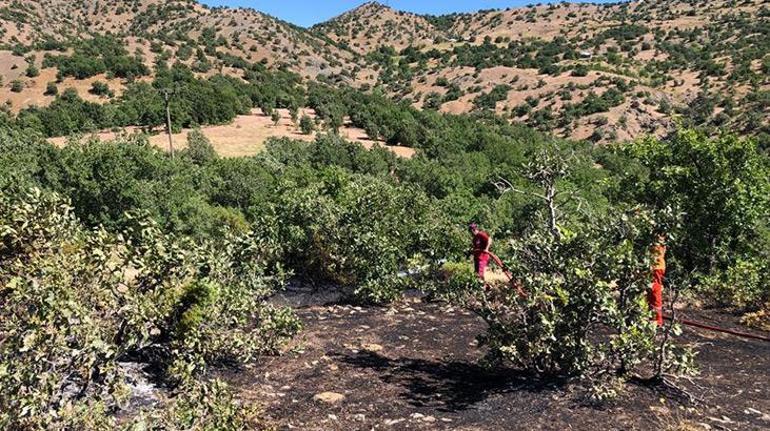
pixel 550 194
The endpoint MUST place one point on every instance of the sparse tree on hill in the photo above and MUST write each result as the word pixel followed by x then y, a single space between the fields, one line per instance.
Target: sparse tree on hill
pixel 99 88
pixel 32 71
pixel 51 89
pixel 17 86
pixel 306 125
pixel 199 148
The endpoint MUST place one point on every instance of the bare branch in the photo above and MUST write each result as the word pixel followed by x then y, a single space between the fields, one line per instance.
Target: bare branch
pixel 504 186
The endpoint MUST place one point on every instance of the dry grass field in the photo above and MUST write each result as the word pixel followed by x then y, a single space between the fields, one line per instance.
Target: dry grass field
pixel 247 134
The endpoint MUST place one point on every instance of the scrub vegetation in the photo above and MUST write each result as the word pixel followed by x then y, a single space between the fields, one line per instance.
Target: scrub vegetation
pixel 116 253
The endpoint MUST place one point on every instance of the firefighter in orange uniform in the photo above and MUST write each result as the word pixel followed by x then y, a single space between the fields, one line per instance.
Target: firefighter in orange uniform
pixel 655 294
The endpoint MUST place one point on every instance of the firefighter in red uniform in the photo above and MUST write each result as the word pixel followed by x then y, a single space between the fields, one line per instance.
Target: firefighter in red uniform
pixel 655 294
pixel 480 249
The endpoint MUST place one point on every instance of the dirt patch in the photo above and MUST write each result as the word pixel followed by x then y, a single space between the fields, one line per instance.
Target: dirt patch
pixel 424 375
pixel 247 134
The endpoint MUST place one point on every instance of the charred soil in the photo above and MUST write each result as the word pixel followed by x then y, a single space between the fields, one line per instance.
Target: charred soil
pixel 415 365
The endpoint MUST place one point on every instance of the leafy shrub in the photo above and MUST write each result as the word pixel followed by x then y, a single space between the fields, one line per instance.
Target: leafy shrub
pixel 51 89
pixel 201 406
pixel 99 88
pixel 67 296
pixel 306 125
pixel 584 313
pixel 489 100
pixel 455 282
pixel 32 71
pixel 17 86
pixel 199 148
pixel 722 186
pixel 580 70
pixel 357 232
pixel 98 55
pixel 743 284
pixel 432 101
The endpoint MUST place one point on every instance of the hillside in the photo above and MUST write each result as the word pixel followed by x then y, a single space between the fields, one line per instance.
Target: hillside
pixel 318 243
pixel 373 25
pixel 603 73
pixel 599 72
pixel 209 40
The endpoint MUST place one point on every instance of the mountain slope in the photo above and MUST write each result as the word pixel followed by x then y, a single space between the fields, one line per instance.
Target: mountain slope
pixel 373 25
pixel 217 39
pixel 585 71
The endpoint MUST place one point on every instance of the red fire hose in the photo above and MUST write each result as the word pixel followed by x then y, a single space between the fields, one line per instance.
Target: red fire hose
pixel 516 285
pixel 718 329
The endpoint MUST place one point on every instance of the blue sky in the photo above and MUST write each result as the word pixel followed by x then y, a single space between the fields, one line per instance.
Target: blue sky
pixel 309 12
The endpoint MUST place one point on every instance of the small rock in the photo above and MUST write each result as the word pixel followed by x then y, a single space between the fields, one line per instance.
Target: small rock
pixel 359 417
pixel 722 420
pixel 390 422
pixel 329 397
pixel 332 417
pixel 429 419
pixel 372 347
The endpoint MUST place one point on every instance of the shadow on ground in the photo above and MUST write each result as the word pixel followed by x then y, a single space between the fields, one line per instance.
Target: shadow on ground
pixel 447 386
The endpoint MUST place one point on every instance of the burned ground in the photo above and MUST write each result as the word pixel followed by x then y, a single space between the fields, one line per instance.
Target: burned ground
pixel 416 366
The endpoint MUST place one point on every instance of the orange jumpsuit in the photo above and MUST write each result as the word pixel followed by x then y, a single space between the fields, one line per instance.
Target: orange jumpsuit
pixel 655 294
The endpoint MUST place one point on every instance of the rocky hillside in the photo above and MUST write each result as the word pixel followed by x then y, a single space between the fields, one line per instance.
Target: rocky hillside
pixel 373 25
pixel 599 72
pixel 585 71
pixel 210 40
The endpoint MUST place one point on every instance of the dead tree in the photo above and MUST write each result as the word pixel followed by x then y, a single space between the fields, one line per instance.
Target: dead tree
pixel 545 170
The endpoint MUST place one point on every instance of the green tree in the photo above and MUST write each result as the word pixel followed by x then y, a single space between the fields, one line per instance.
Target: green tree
pixel 32 71
pixel 594 276
pixel 199 148
pixel 306 125
pixel 51 89
pixel 187 306
pixel 99 88
pixel 17 86
pixel 721 185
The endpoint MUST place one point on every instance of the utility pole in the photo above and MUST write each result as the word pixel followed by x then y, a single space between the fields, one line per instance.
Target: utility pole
pixel 167 93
